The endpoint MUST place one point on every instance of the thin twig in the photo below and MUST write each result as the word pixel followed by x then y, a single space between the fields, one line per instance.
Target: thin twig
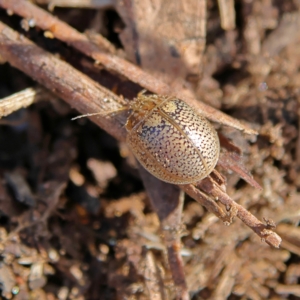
pixel 261 229
pixel 21 99
pixel 75 88
pixel 208 203
pixel 227 14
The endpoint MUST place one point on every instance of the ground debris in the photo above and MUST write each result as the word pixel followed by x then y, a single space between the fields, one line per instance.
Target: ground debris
pixel 75 220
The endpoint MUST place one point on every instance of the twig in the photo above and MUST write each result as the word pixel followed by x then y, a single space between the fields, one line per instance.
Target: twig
pixel 227 13
pixel 261 229
pixel 153 280
pixel 252 33
pixel 208 203
pixel 232 161
pixel 72 37
pixel 78 90
pixel 21 100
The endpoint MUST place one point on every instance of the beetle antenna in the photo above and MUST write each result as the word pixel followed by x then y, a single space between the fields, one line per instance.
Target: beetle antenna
pixel 86 115
pixel 101 113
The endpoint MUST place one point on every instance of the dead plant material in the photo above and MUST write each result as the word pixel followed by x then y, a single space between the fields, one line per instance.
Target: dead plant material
pixel 121 243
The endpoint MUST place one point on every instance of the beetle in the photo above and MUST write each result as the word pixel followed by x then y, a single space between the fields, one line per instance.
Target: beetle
pixel 171 140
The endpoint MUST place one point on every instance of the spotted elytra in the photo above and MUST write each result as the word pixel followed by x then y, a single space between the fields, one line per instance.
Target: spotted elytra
pixel 171 140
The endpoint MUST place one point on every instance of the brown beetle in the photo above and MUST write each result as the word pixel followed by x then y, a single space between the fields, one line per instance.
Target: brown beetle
pixel 171 140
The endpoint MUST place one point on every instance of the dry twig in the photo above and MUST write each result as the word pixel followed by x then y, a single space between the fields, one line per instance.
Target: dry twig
pixel 21 100
pixel 227 13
